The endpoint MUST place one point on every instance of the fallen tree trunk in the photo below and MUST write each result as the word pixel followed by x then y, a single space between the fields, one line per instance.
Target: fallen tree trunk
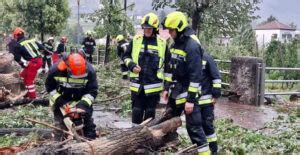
pixel 125 142
pixel 8 104
pixel 43 133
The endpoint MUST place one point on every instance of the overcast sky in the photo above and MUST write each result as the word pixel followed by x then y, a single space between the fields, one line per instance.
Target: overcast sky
pixel 286 11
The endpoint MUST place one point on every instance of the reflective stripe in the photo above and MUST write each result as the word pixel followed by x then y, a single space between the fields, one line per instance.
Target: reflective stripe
pixel 193 89
pixel 89 96
pixel 53 92
pixel 218 85
pixel 205 97
pixel 217 81
pixel 204 151
pixel 153 88
pixel 178 51
pixel 204 62
pixel 153 85
pixel 193 84
pixel 181 98
pixel 207 101
pixel 48 57
pixel 124 73
pixel 212 138
pixel 31 47
pixel 127 61
pixel 87 100
pixel 53 98
pixel 30 86
pixel 71 80
pixel 134 87
pixel 168 77
pixel 31 90
pixel 194 37
pixel 133 75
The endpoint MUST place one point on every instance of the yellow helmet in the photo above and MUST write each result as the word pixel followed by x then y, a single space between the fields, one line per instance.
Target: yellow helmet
pixel 175 20
pixel 89 33
pixel 150 20
pixel 120 37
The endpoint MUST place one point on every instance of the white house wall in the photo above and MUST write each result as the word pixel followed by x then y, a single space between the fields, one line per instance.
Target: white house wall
pixel 263 37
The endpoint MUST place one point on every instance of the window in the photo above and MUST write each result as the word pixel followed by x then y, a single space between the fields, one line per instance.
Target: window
pixel 274 36
pixel 286 36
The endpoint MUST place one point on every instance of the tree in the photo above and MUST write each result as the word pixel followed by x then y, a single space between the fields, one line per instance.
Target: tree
pixel 213 17
pixel 109 20
pixel 271 19
pixel 39 17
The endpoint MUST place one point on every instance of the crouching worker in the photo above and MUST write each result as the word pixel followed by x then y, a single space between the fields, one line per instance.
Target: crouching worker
pixel 72 85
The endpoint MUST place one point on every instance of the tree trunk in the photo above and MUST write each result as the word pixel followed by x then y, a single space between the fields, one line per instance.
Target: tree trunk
pixel 8 104
pixel 124 142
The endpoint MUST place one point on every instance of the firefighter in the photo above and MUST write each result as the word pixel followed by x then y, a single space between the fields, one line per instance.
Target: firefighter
pixel 27 52
pixel 121 48
pixel 89 45
pixel 60 50
pixel 211 90
pixel 72 83
pixel 145 58
pixel 184 76
pixel 49 48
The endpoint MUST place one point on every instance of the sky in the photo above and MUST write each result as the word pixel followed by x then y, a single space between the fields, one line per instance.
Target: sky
pixel 286 11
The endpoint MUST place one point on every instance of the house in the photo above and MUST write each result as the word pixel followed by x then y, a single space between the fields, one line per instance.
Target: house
pixel 274 30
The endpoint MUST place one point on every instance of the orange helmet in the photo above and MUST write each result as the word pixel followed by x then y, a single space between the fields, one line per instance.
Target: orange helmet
pixel 18 32
pixel 64 39
pixel 75 65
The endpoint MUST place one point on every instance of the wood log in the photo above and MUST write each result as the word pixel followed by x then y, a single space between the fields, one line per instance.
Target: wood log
pixel 23 101
pixel 125 142
pixel 12 82
pixel 6 63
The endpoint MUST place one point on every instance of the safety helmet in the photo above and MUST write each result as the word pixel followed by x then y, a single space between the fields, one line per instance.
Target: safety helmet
pixel 120 37
pixel 18 32
pixel 89 33
pixel 75 64
pixel 150 20
pixel 64 39
pixel 50 38
pixel 175 20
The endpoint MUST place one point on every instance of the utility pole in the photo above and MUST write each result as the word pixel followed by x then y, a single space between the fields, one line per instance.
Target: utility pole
pixel 124 23
pixel 106 56
pixel 78 25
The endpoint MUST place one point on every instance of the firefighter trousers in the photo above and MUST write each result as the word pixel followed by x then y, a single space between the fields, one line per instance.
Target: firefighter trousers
pixel 29 73
pixel 143 107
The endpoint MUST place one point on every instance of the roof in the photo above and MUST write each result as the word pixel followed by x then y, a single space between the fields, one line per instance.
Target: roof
pixel 274 25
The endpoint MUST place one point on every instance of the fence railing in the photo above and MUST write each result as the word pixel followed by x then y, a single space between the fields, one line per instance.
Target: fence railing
pixel 260 90
pixel 224 72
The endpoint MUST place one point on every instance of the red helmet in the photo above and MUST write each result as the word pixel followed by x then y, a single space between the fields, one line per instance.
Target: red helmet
pixel 18 32
pixel 75 64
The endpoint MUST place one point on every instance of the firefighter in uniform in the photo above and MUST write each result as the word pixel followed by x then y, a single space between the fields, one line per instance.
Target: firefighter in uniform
pixel 72 82
pixel 89 45
pixel 183 77
pixel 27 52
pixel 145 58
pixel 49 47
pixel 60 50
pixel 121 49
pixel 211 90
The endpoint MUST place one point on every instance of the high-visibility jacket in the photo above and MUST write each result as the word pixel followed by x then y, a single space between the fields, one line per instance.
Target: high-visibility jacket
pixel 149 54
pixel 59 84
pixel 27 49
pixel 185 68
pixel 211 80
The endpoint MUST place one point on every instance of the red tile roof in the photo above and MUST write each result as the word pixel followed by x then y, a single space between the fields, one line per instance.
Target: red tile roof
pixel 274 25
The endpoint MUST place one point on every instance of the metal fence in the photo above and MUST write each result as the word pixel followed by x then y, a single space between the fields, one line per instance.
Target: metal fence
pixel 224 72
pixel 260 90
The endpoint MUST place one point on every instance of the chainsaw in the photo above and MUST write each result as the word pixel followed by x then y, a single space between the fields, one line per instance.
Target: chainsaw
pixel 72 119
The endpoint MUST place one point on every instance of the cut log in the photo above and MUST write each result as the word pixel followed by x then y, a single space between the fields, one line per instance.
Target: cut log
pixel 8 104
pixel 12 82
pixel 125 142
pixel 6 63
